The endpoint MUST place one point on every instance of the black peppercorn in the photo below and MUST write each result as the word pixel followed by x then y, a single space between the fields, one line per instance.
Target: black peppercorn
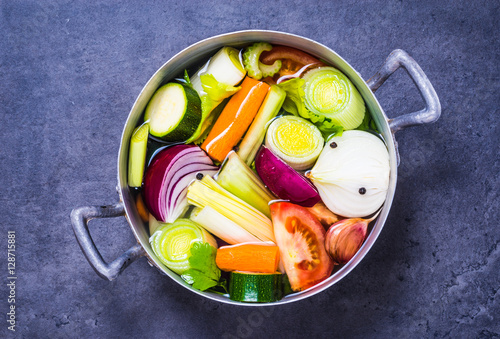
pixel 333 145
pixel 199 176
pixel 362 190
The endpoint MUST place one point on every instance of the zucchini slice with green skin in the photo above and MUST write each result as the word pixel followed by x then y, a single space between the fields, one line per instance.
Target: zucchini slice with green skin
pixel 174 112
pixel 255 287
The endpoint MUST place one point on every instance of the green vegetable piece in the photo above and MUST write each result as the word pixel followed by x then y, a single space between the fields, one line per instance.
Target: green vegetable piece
pixel 250 144
pixel 137 155
pixel 255 287
pixel 204 272
pixel 295 140
pixel 172 243
pixel 254 67
pixel 332 99
pixel 237 178
pixel 294 101
pixel 174 112
pixel 225 68
pixel 217 91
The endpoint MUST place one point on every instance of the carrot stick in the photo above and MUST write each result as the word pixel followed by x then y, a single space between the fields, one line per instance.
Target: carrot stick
pixel 235 118
pixel 249 258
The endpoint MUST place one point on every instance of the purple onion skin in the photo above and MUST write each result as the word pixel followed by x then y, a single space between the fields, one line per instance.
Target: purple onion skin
pixel 284 181
pixel 153 178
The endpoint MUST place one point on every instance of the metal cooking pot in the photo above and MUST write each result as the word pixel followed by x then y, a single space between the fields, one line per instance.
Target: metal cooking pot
pixel 194 54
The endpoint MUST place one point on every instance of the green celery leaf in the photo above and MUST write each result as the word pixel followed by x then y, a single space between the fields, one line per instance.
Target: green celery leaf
pixel 368 124
pixel 217 91
pixel 328 132
pixel 186 78
pixel 294 101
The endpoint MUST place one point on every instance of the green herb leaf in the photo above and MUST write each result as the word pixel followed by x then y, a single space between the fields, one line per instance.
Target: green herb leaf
pixel 217 91
pixel 204 272
pixel 186 78
pixel 294 101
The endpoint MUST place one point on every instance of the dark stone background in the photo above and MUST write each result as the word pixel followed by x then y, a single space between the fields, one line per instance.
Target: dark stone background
pixel 69 74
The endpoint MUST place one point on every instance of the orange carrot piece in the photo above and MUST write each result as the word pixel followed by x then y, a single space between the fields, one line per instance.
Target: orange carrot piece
pixel 248 258
pixel 235 118
pixel 141 208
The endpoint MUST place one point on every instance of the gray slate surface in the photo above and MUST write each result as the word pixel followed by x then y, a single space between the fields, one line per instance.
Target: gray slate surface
pixel 69 74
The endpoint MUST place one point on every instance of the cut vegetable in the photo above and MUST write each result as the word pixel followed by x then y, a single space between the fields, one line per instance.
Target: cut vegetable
pixel 174 112
pixel 226 69
pixel 167 178
pixel 220 226
pixel 285 52
pixel 295 140
pixel 261 257
pixel 301 239
pixel 344 238
pixel 284 181
pixel 236 177
pixel 254 67
pixel 255 287
pixel 352 174
pixel 323 214
pixel 294 101
pixel 235 119
pixel 332 99
pixel 137 155
pixel 250 144
pixel 153 224
pixel 207 192
pixel 141 208
pixel 172 243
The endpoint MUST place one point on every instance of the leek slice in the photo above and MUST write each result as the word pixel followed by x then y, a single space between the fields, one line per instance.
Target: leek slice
pixel 332 99
pixel 207 192
pixel 236 177
pixel 172 243
pixel 295 140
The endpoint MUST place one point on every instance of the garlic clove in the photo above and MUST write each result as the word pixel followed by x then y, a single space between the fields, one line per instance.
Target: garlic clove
pixel 344 239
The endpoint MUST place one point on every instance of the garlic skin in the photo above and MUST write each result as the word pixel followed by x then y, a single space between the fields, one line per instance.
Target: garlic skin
pixel 352 174
pixel 344 239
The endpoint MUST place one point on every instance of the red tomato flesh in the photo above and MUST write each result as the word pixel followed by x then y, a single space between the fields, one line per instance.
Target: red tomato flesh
pixel 301 240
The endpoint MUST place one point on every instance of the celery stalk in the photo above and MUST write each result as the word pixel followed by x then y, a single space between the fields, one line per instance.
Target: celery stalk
pixel 253 138
pixel 207 192
pixel 236 177
pixel 222 227
pixel 137 155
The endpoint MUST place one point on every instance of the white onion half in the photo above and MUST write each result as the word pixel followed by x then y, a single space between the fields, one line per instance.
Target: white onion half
pixel 352 174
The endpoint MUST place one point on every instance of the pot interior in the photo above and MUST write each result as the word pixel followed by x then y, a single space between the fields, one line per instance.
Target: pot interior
pixel 201 51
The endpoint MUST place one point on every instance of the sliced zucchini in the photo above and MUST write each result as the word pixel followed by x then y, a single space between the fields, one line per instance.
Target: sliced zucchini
pixel 174 112
pixel 255 287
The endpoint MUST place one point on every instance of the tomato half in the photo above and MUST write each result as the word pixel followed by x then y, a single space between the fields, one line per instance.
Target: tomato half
pixel 301 239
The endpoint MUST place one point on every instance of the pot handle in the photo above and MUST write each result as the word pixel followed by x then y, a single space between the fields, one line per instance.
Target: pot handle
pixel 432 111
pixel 80 218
